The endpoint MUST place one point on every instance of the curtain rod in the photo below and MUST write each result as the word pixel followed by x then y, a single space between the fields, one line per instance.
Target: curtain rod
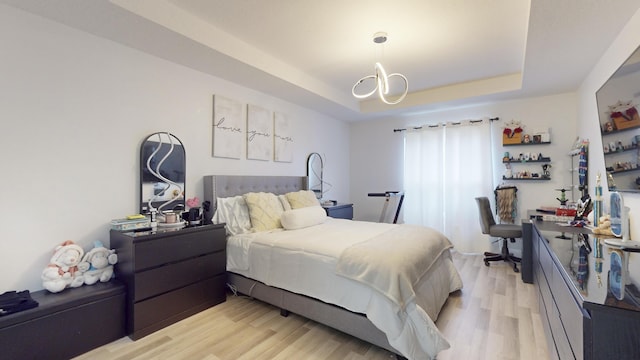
pixel 433 126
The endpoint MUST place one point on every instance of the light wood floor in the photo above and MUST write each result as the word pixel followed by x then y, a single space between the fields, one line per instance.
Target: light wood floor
pixel 494 316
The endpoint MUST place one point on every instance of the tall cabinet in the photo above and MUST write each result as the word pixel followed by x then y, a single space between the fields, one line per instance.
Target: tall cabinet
pixel 170 274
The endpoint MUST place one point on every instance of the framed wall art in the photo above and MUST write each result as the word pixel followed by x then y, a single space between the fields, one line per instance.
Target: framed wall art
pixel 282 138
pixel 259 133
pixel 228 128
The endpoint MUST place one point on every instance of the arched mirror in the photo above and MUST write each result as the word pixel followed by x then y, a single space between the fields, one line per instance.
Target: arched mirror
pixel 162 173
pixel 314 173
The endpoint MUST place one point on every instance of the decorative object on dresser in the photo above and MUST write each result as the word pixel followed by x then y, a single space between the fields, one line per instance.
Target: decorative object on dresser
pixel 162 178
pixel 170 274
pixel 194 214
pixel 619 219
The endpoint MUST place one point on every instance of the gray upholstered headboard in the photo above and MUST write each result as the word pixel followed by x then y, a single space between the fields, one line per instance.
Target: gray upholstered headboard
pixel 216 186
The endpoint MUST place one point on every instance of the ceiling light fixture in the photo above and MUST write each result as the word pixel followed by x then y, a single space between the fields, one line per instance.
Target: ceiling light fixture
pixel 381 78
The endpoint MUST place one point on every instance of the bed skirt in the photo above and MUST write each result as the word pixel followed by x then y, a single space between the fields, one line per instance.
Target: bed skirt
pixel 336 317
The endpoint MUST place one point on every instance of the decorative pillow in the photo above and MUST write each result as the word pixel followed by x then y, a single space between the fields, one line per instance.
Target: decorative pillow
pixel 302 198
pixel 285 203
pixel 233 211
pixel 265 210
pixel 303 217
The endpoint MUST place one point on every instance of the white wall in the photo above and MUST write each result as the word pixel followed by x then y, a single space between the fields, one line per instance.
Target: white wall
pixel 588 123
pixel 75 109
pixel 377 152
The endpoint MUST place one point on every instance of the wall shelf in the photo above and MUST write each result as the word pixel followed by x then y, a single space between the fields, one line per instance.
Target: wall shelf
pixel 624 171
pixel 621 151
pixel 541 160
pixel 529 143
pixel 507 160
pixel 542 178
pixel 618 131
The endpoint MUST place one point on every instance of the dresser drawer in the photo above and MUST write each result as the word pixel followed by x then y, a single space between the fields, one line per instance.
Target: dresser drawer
pixel 177 247
pixel 166 278
pixel 545 293
pixel 570 313
pixel 559 336
pixel 546 262
pixel 160 311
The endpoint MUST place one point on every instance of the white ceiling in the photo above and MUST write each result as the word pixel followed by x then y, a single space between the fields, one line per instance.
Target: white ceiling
pixel 454 52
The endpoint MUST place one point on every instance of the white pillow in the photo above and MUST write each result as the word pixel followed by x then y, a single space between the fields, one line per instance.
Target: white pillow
pixel 302 198
pixel 303 217
pixel 265 210
pixel 233 211
pixel 285 202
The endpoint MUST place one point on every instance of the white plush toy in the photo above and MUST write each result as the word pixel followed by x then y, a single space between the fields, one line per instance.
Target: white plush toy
pixel 62 271
pixel 97 264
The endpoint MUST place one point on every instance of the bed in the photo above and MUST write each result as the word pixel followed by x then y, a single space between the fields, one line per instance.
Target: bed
pixel 317 270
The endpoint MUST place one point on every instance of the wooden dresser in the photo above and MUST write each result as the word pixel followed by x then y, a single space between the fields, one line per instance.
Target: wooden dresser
pixel 169 274
pixel 582 319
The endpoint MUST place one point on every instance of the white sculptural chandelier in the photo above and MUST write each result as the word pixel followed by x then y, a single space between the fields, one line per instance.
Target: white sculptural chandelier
pixel 381 79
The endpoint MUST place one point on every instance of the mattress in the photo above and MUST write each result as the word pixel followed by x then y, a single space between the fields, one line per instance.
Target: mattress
pixel 304 261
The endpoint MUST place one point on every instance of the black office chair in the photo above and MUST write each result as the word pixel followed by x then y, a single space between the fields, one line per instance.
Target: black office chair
pixel 503 231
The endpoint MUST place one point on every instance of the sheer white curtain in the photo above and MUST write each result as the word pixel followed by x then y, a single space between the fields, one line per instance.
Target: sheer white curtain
pixel 445 168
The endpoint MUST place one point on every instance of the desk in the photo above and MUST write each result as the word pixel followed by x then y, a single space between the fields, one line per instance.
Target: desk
pixel 581 320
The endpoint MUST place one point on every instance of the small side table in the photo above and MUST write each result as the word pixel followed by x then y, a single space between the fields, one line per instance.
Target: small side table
pixel 339 211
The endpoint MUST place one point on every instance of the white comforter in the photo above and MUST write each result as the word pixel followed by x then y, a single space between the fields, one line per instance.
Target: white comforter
pixel 306 261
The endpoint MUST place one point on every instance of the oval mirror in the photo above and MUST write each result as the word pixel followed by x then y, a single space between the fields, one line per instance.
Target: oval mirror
pixel 162 173
pixel 314 174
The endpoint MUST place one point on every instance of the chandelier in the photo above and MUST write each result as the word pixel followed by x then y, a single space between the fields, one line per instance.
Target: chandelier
pixel 381 79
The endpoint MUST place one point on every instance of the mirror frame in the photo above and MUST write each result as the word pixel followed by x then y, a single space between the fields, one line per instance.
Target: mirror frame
pixel 177 165
pixel 620 91
pixel 315 167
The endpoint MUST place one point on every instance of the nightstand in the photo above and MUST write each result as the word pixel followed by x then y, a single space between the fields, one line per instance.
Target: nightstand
pixel 339 211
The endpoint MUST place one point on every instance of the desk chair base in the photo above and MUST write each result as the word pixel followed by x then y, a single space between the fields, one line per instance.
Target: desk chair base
pixel 504 256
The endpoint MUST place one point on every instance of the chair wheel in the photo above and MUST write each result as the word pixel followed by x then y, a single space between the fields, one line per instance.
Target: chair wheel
pixel 486 263
pixel 515 268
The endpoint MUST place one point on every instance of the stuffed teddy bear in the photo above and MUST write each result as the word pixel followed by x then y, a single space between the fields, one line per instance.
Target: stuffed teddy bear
pixel 62 271
pixel 97 264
